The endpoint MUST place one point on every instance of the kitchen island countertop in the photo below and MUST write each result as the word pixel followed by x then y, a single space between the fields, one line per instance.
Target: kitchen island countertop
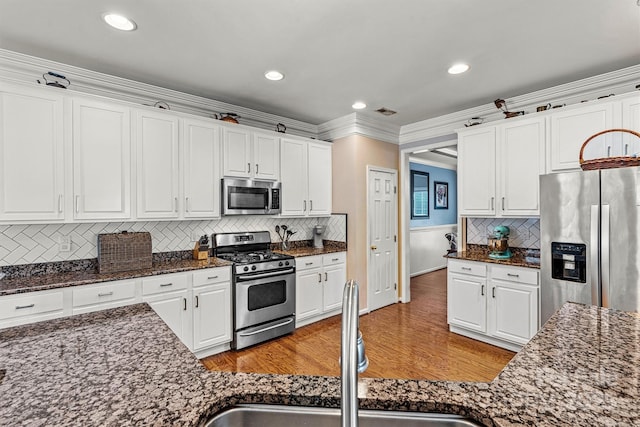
pixel 125 367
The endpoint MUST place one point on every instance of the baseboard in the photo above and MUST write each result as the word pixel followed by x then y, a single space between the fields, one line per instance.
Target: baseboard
pixel 484 338
pixel 210 351
pixel 429 270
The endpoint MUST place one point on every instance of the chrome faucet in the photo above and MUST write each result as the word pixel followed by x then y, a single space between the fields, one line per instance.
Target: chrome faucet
pixel 353 358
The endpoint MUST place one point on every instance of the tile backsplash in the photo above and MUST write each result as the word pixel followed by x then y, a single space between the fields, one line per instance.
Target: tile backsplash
pixel 525 232
pixel 27 244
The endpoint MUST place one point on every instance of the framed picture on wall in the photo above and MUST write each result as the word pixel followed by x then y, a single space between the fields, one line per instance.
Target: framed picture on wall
pixel 440 195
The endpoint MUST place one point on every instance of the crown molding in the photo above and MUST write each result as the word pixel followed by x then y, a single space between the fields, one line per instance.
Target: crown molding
pixel 618 82
pixel 20 68
pixel 359 124
pixel 433 163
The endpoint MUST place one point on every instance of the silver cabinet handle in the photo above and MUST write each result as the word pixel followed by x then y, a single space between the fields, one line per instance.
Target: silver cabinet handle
pixel 493 292
pixel 465 268
pixel 609 151
pixel 482 290
pixel 164 285
pixel 513 275
pixel 492 203
pixel 248 167
pixel 503 203
pixel 197 302
pixel 335 259
pixel 319 277
pixel 326 276
pixel 175 201
pixel 626 149
pixel 185 304
pixel 106 294
pixel 305 206
pixel 256 168
pixel 77 204
pixel 308 263
pixel 186 204
pixel 21 307
pixel 60 203
pixel 211 277
pixel 310 205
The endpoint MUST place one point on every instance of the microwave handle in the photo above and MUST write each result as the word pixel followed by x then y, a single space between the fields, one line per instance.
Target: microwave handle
pixel 269 200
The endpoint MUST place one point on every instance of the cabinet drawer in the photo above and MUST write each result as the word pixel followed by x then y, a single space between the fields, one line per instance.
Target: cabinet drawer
pixel 31 303
pixel 472 268
pixel 211 275
pixel 104 293
pixel 307 262
pixel 334 258
pixel 164 283
pixel 518 275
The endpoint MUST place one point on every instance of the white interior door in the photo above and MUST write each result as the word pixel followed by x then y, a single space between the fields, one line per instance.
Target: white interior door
pixel 383 250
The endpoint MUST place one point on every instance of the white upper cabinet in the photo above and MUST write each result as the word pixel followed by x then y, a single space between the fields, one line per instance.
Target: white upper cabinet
pixel 32 158
pixel 201 169
pixel 101 160
pixel 306 178
pixel 631 121
pixel 570 128
pixel 521 162
pixel 157 171
pixel 499 168
pixel 477 172
pixel 250 154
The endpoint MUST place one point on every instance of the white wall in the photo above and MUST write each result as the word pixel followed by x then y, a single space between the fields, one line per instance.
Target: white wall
pixel 427 247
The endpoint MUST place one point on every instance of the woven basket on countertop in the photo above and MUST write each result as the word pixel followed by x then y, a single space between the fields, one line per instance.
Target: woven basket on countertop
pixel 608 162
pixel 124 252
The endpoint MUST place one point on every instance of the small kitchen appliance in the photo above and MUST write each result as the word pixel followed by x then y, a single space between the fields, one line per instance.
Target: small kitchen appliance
pixel 499 243
pixel 250 196
pixel 264 287
pixel 318 234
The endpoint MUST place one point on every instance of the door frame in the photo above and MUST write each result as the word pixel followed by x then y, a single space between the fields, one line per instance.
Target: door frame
pixel 371 168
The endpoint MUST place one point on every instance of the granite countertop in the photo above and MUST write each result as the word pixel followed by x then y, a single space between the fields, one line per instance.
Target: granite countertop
pixel 76 278
pixel 521 257
pixel 125 367
pixel 305 248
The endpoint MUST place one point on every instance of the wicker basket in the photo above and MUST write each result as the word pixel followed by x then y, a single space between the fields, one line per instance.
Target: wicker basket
pixel 124 252
pixel 608 162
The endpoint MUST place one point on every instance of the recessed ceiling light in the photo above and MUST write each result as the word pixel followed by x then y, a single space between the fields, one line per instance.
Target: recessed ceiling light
pixel 359 105
pixel 274 75
pixel 119 22
pixel 458 68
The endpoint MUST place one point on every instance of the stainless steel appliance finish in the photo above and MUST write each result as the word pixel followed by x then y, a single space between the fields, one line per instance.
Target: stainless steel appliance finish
pixel 264 286
pixel 590 221
pixel 250 197
pixel 279 415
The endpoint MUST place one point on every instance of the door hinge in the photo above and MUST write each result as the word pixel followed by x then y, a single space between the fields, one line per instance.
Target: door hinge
pixel 395 189
pixel 395 238
pixel 395 286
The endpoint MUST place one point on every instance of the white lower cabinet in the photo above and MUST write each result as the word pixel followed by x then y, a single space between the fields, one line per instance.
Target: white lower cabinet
pixel 101 296
pixel 168 295
pixel 319 283
pixel 493 303
pixel 211 316
pixel 31 307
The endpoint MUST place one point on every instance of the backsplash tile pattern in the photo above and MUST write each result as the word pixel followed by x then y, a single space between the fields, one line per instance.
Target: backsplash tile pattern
pixel 27 244
pixel 525 232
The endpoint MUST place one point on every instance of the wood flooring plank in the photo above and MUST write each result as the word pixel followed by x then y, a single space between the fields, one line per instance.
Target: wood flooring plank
pixel 402 341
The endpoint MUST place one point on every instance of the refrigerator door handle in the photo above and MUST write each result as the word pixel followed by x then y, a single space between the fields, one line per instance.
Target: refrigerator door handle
pixel 604 255
pixel 594 255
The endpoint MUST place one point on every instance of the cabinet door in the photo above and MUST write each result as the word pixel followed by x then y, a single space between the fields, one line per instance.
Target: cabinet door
pixel 521 162
pixel 236 148
pixel 571 128
pixel 631 121
pixel 174 311
pixel 308 293
pixel 211 315
pixel 157 165
pixel 201 169
pixel 293 175
pixel 466 302
pixel 319 171
pixel 513 311
pixel 266 156
pixel 31 155
pixel 101 160
pixel 476 172
pixel 334 278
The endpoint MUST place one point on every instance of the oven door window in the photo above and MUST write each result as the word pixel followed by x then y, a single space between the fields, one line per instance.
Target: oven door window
pixel 267 295
pixel 248 198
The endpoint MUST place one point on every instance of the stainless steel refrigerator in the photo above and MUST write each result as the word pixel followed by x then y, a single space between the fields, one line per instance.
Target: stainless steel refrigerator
pixel 590 237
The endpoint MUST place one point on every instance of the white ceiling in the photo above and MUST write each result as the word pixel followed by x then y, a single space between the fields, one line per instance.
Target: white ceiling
pixel 391 54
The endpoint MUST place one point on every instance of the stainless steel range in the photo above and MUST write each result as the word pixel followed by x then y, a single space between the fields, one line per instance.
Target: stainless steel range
pixel 264 287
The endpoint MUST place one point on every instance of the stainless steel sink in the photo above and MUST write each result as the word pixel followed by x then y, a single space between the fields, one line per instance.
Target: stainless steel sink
pixel 277 416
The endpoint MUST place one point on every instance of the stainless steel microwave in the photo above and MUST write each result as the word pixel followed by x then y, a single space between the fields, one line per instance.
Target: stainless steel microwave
pixel 250 197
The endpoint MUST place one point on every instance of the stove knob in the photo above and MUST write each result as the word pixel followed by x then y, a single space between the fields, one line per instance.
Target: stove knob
pixel 253 267
pixel 246 269
pixel 280 264
pixel 286 263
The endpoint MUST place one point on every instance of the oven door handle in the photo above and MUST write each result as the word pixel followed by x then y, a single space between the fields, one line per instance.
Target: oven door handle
pixel 259 331
pixel 264 275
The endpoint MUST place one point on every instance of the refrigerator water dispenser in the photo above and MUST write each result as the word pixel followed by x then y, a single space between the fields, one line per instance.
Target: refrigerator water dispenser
pixel 569 261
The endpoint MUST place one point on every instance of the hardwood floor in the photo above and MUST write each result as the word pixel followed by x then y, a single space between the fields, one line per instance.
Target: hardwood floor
pixel 402 341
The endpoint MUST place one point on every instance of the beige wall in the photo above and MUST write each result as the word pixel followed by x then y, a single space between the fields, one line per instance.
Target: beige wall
pixel 351 155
